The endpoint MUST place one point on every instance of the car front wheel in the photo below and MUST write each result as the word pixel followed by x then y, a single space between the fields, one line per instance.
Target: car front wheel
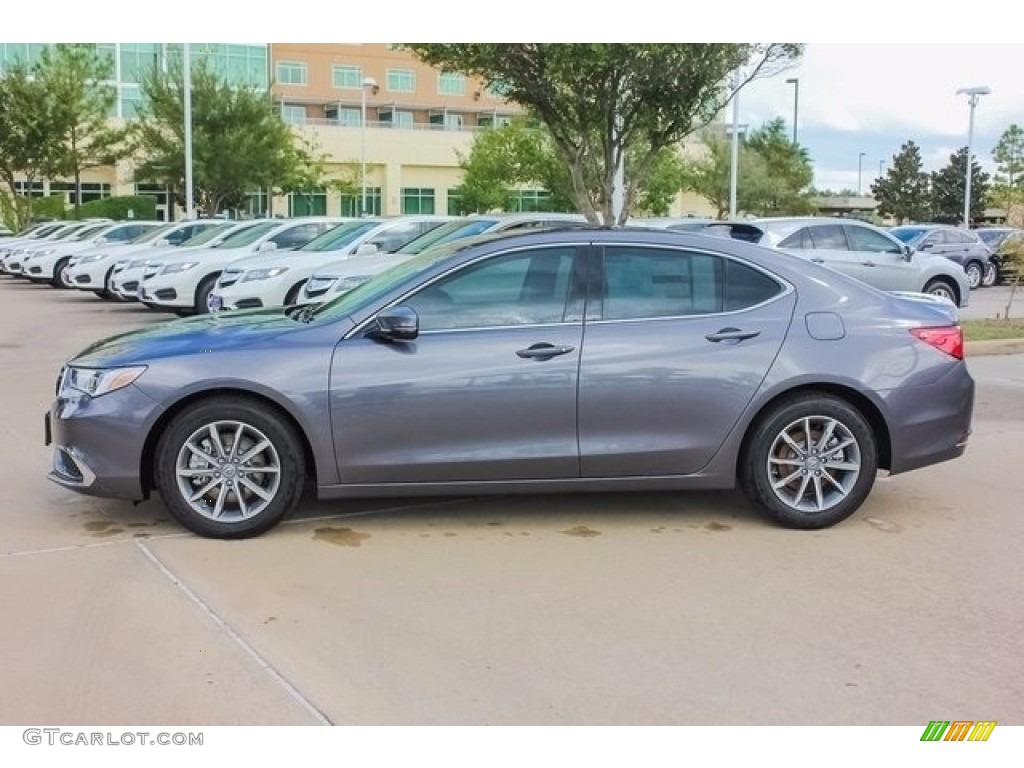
pixel 943 288
pixel 809 462
pixel 975 273
pixel 229 468
pixel 991 275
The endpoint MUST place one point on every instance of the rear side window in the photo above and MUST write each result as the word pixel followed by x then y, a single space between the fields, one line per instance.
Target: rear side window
pixel 299 235
pixel 801 239
pixel 864 239
pixel 651 282
pixel 830 237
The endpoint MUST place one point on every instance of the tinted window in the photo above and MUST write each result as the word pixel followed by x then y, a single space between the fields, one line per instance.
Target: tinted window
pixel 864 239
pixel 299 235
pixel 746 287
pixel 801 239
pixel 829 237
pixel 522 288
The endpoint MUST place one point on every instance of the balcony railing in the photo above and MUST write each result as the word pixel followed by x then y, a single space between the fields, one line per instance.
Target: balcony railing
pixel 420 126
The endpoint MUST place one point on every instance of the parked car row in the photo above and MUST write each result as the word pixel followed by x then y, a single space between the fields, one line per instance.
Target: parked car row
pixel 1002 241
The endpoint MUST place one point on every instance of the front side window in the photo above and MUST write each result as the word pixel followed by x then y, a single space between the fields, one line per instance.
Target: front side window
pixel 299 235
pixel 522 288
pixel 829 237
pixel 292 73
pixel 643 283
pixel 863 239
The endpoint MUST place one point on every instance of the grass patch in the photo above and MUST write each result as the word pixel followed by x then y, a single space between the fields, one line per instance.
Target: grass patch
pixel 985 330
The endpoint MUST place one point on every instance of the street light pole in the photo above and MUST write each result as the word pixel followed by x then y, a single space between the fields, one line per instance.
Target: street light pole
pixel 860 171
pixel 186 70
pixel 795 82
pixel 734 161
pixel 881 165
pixel 368 82
pixel 973 95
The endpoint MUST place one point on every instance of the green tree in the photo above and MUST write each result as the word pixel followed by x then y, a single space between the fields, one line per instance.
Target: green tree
pixel 905 190
pixel 788 171
pixel 28 149
pixel 599 100
pixel 239 142
pixel 709 176
pixel 1008 183
pixel 74 77
pixel 948 189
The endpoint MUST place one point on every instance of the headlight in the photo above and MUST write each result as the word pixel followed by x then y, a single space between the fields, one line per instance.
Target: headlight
pixel 184 266
pixel 143 262
pixel 353 281
pixel 101 256
pixel 96 381
pixel 263 274
pixel 48 251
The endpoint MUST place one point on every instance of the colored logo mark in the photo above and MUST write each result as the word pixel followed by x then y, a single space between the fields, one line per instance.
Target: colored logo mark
pixel 958 730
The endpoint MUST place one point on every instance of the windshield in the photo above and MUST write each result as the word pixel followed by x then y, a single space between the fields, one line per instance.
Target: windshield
pixel 340 236
pixel 248 236
pixel 151 234
pixel 908 234
pixel 385 281
pixel 49 229
pixel 991 236
pixel 89 232
pixel 210 233
pixel 453 230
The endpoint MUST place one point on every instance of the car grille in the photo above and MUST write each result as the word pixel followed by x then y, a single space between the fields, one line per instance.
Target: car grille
pixel 229 278
pixel 169 294
pixel 39 270
pixel 256 303
pixel 86 279
pixel 132 286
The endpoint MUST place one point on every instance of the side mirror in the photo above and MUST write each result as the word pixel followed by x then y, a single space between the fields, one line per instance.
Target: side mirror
pixel 267 246
pixel 396 324
pixel 908 253
pixel 365 249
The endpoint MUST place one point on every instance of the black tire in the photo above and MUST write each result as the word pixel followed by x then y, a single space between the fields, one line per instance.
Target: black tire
pixel 975 273
pixel 202 293
pixel 809 500
pixel 240 512
pixel 105 292
pixel 59 279
pixel 293 294
pixel 940 286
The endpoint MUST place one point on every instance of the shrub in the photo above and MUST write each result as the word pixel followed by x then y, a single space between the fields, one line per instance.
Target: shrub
pixel 117 208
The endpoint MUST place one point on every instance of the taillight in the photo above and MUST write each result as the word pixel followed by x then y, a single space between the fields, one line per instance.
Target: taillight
pixel 948 339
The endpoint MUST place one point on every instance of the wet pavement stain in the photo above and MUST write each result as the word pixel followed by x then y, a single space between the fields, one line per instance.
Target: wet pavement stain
pixel 107 532
pixel 661 528
pixel 884 525
pixel 496 523
pixel 97 525
pixel 147 535
pixel 452 533
pixel 342 537
pixel 713 526
pixel 581 531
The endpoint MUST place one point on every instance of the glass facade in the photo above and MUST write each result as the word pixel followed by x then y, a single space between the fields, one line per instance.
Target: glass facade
pixel 350 204
pixel 417 200
pixel 531 200
pixel 310 203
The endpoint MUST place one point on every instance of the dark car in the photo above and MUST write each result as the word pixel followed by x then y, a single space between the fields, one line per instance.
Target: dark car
pixel 1001 241
pixel 569 360
pixel 960 245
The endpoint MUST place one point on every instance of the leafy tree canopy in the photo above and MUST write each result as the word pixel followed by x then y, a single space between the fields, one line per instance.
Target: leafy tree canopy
pixel 905 190
pixel 949 187
pixel 599 100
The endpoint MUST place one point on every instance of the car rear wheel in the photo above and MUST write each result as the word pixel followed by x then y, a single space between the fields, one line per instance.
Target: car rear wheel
pixel 943 288
pixel 809 462
pixel 975 272
pixel 229 468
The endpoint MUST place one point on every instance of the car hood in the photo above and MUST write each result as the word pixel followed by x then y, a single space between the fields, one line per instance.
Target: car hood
pixel 226 330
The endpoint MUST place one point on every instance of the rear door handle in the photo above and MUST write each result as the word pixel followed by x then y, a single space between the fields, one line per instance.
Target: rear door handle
pixel 822 261
pixel 871 263
pixel 731 334
pixel 543 351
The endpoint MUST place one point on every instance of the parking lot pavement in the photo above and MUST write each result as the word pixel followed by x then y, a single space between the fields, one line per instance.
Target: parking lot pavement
pixel 604 609
pixel 991 302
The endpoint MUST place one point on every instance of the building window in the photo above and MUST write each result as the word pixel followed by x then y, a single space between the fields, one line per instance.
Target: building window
pixel 296 114
pixel 351 204
pixel 499 90
pixel 531 200
pixel 455 202
pixel 496 121
pixel 447 120
pixel 396 118
pixel 352 116
pixel 311 202
pixel 256 203
pixel 90 190
pixel 417 200
pixel 453 84
pixel 402 80
pixel 349 77
pixel 292 73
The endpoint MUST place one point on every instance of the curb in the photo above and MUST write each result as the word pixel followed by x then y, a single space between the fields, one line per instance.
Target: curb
pixel 994 347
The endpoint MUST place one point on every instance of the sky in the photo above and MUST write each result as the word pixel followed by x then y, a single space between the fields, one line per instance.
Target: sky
pixel 873 75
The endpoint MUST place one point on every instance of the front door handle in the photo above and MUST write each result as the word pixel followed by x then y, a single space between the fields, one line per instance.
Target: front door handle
pixel 871 263
pixel 543 351
pixel 731 334
pixel 822 261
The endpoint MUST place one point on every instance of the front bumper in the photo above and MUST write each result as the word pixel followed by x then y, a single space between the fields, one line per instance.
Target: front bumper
pixel 98 442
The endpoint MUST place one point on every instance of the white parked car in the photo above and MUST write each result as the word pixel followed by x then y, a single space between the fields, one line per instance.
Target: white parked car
pixel 13 251
pixel 44 265
pixel 338 277
pixel 128 273
pixel 184 283
pixel 267 281
pixel 93 269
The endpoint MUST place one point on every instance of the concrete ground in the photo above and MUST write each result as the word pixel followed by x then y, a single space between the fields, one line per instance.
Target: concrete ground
pixel 593 610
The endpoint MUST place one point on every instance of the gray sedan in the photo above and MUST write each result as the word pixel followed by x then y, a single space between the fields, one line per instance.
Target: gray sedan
pixel 577 360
